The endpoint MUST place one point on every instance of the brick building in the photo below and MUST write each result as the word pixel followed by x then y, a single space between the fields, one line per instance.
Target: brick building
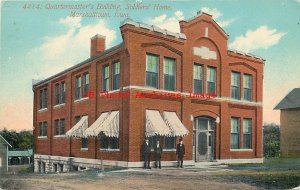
pixel 289 108
pixel 158 84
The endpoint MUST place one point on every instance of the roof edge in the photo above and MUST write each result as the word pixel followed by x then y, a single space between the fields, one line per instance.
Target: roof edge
pixel 5 141
pixel 116 47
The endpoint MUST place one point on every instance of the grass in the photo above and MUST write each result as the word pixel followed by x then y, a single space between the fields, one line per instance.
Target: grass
pixel 274 173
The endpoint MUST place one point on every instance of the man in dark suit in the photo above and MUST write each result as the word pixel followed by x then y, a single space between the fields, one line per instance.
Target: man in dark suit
pixel 180 151
pixel 146 151
pixel 157 151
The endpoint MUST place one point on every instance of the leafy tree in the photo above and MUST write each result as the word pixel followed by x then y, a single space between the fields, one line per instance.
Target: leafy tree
pixel 271 140
pixel 22 140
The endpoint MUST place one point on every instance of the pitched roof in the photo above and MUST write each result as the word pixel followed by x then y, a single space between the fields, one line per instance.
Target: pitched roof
pixel 5 141
pixel 290 101
pixel 21 153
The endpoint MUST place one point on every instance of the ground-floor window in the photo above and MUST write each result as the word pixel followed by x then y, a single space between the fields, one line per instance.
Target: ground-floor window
pixel 152 141
pixel 84 142
pixel 108 142
pixel 169 142
pixel 247 133
pixel 235 133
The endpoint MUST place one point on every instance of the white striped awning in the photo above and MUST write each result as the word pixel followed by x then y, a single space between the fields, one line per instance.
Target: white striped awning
pixel 78 129
pixel 95 128
pixel 110 127
pixel 155 125
pixel 175 125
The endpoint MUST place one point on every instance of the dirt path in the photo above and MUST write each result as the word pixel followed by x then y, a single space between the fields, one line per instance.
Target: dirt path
pixel 132 179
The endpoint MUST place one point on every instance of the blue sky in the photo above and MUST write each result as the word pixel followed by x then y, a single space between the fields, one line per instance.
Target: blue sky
pixel 37 43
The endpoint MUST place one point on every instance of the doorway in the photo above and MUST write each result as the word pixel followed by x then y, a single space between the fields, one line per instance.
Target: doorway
pixel 204 139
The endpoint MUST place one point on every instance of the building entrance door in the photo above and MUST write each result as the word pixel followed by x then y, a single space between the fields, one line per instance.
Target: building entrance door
pixel 204 134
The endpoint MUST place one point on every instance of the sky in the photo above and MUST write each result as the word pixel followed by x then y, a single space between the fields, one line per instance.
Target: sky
pixel 39 40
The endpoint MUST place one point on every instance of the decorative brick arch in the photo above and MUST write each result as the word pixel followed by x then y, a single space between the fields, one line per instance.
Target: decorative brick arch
pixel 205 113
pixel 243 64
pixel 163 45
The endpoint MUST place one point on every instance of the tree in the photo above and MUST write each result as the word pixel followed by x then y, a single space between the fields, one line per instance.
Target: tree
pixel 22 140
pixel 271 140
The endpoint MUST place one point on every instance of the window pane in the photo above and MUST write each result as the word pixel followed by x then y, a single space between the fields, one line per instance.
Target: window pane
pixel 169 74
pixel 152 63
pixel 198 78
pixel 104 141
pixel 116 75
pixel 152 79
pixel 248 81
pixel 62 127
pixel 41 129
pixel 45 129
pixel 57 97
pixel 86 82
pixel 45 104
pixel 105 86
pixel 247 141
pixel 84 143
pixel 235 132
pixel 248 87
pixel 77 88
pixel 41 99
pixel 211 80
pixel 198 86
pixel 169 142
pixel 235 85
pixel 211 74
pixel 63 92
pixel 114 142
pixel 56 122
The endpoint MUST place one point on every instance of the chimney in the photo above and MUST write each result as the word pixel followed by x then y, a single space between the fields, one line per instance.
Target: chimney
pixel 97 45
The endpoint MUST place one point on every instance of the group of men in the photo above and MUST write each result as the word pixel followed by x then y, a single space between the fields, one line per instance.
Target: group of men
pixel 146 152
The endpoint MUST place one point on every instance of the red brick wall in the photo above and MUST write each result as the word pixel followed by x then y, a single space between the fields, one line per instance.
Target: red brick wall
pixel 132 56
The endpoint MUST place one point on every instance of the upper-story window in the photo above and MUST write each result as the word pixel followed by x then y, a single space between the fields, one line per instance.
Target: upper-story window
pixel 59 127
pixel 78 94
pixel 60 93
pixel 211 80
pixel 81 86
pixel 198 78
pixel 235 133
pixel 247 87
pixel 169 74
pixel 235 85
pixel 43 128
pixel 86 83
pixel 43 98
pixel 105 77
pixel 116 76
pixel 152 67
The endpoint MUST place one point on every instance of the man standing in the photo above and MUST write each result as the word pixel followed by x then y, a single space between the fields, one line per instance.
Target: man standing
pixel 146 150
pixel 180 151
pixel 157 151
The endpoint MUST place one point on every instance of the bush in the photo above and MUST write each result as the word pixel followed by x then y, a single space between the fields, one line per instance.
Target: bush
pixel 271 140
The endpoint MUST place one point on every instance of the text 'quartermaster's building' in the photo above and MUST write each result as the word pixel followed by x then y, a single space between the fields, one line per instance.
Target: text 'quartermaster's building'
pixel 155 84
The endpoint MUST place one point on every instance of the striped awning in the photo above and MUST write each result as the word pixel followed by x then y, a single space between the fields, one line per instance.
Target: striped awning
pixel 155 125
pixel 95 128
pixel 175 125
pixel 110 126
pixel 78 129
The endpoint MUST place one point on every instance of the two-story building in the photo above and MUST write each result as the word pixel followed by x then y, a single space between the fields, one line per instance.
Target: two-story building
pixel 155 84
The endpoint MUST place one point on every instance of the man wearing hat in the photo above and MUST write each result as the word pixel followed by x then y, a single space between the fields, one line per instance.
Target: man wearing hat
pixel 146 150
pixel 180 151
pixel 157 151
